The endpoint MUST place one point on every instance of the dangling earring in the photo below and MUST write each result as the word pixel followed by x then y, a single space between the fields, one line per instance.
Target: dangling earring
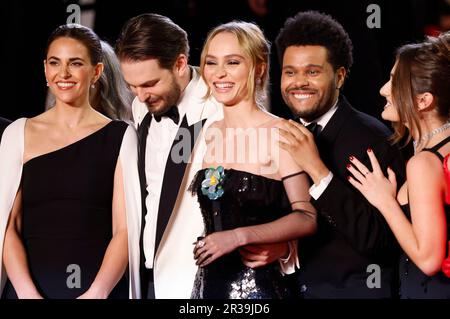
pixel 46 83
pixel 93 86
pixel 258 81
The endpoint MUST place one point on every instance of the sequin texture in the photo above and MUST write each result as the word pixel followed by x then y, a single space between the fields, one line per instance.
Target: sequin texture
pixel 248 199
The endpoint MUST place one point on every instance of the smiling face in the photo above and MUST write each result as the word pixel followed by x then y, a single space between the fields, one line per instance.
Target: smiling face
pixel 390 112
pixel 227 69
pixel 309 84
pixel 69 71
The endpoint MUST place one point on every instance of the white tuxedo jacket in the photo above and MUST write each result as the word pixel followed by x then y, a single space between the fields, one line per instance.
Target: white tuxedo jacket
pixel 173 262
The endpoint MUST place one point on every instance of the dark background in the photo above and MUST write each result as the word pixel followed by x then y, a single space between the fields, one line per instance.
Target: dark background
pixel 26 25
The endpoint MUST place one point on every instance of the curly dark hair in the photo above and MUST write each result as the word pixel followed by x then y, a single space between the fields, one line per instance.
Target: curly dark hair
pixel 315 28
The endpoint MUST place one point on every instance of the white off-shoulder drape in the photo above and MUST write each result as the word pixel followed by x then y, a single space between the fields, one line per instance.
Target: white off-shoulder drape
pixel 11 165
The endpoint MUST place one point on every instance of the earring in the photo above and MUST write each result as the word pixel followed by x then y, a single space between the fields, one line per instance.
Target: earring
pixel 93 86
pixel 258 81
pixel 46 83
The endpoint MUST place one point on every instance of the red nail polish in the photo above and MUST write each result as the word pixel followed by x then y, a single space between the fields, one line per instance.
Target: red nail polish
pixel 369 150
pixel 351 158
pixel 348 177
pixel 349 165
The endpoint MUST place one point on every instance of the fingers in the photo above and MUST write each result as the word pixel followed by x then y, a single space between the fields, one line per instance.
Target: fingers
pixel 296 129
pixel 376 169
pixel 356 173
pixel 204 259
pixel 373 161
pixel 392 178
pixel 357 185
pixel 251 256
pixel 253 259
pixel 360 166
pixel 299 127
pixel 203 253
pixel 255 249
pixel 198 252
pixel 288 136
pixel 285 146
pixel 199 244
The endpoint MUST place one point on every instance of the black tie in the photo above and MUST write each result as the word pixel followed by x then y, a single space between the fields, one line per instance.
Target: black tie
pixel 314 128
pixel 172 113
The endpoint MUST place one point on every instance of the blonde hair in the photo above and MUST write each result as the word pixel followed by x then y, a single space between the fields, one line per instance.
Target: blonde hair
pixel 255 46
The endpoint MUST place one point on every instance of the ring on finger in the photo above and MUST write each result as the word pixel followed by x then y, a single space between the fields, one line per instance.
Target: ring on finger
pixel 200 243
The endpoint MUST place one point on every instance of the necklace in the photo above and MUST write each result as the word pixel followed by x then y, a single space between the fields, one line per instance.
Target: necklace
pixel 429 135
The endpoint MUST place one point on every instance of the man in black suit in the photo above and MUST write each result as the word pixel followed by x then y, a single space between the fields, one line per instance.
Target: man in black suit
pixel 354 253
pixel 3 124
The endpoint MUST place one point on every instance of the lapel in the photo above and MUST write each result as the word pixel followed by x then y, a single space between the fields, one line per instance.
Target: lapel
pixel 199 114
pixel 331 130
pixel 142 140
pixel 176 164
pixel 333 142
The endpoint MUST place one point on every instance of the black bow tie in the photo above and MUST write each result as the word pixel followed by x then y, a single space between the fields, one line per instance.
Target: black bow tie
pixel 314 128
pixel 172 113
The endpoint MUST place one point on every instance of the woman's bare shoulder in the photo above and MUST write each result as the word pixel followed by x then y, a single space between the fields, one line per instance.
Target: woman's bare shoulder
pixel 270 120
pixel 424 166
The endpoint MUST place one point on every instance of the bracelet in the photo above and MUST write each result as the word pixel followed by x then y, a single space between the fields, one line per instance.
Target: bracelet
pixel 292 175
pixel 300 201
pixel 303 211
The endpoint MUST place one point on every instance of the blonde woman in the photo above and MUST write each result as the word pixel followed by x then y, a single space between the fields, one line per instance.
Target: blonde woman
pixel 250 192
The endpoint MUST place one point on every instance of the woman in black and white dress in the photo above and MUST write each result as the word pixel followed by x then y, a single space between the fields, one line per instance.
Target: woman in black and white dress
pixel 70 209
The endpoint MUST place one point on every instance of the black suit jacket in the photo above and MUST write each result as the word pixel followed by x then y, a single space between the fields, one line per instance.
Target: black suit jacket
pixel 3 124
pixel 352 234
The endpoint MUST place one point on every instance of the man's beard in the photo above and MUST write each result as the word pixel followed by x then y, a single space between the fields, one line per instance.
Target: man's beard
pixel 315 111
pixel 171 99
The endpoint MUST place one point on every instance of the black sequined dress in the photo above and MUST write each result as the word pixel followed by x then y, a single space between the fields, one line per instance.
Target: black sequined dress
pixel 248 199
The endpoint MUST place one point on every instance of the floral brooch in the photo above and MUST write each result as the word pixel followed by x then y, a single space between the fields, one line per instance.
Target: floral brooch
pixel 212 185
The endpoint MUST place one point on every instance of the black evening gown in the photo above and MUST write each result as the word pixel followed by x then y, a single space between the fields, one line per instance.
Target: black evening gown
pixel 414 284
pixel 248 199
pixel 67 214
